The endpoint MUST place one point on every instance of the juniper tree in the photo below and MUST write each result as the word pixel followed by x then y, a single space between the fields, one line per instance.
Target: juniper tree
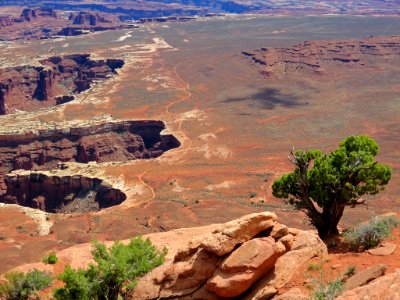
pixel 322 185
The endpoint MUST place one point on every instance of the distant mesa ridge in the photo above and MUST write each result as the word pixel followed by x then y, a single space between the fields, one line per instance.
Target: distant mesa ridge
pixel 322 57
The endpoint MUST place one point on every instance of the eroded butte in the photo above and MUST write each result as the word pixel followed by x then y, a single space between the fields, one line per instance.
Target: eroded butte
pixel 54 81
pixel 325 57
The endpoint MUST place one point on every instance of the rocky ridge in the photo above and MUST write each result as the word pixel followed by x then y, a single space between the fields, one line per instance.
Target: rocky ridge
pixel 251 258
pixel 46 23
pixel 248 258
pixel 323 57
pixel 53 82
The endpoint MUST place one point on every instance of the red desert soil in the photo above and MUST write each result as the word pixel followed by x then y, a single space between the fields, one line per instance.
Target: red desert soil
pixel 340 259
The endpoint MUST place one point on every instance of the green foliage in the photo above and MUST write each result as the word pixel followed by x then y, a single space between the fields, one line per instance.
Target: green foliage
pixel 328 291
pixel 350 271
pixel 252 194
pixel 369 235
pixel 332 181
pixel 314 266
pixel 21 286
pixel 51 258
pixel 116 270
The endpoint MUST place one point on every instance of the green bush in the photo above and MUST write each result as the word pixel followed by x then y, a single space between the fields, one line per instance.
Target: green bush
pixel 350 271
pixel 115 271
pixel 21 286
pixel 314 266
pixel 328 291
pixel 369 235
pixel 51 258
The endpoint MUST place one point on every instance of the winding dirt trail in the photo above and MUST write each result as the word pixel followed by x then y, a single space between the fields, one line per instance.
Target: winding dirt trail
pixel 185 97
pixel 140 178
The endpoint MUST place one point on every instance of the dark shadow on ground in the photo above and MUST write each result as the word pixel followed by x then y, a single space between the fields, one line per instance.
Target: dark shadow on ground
pixel 267 98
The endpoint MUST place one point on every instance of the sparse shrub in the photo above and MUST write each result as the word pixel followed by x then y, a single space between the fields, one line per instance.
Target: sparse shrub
pixel 314 266
pixel 116 270
pixel 350 271
pixel 22 286
pixel 369 235
pixel 51 258
pixel 252 195
pixel 328 291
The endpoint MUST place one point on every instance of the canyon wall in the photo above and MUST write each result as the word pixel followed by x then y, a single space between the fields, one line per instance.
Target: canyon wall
pixel 60 193
pixel 87 18
pixel 33 14
pixel 58 79
pixel 104 142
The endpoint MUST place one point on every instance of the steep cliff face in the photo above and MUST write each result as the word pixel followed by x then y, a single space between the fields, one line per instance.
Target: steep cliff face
pixel 59 78
pixel 60 194
pixel 105 142
pixel 2 106
pixel 87 18
pixel 324 57
pixel 33 14
pixel 5 21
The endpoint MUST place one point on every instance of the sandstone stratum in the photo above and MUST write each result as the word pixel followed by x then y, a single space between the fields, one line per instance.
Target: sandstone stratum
pixel 325 58
pixel 117 141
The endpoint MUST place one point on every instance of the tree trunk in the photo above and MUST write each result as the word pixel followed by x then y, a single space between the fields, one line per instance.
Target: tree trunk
pixel 329 221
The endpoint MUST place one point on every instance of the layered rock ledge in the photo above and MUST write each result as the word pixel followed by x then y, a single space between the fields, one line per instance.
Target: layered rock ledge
pixel 322 57
pixel 112 141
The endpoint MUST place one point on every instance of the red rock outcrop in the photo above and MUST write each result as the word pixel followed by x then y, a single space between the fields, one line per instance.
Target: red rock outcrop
pixel 60 194
pixel 5 21
pixel 189 267
pixel 384 288
pixel 33 14
pixel 322 57
pixel 87 18
pixel 230 261
pixel 29 88
pixel 104 142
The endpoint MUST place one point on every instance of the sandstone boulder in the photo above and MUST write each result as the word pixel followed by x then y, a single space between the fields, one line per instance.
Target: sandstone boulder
pixel 365 276
pixel 225 238
pixel 185 277
pixel 287 241
pixel 244 266
pixel 279 230
pixel 383 288
pixel 383 250
pixel 306 245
